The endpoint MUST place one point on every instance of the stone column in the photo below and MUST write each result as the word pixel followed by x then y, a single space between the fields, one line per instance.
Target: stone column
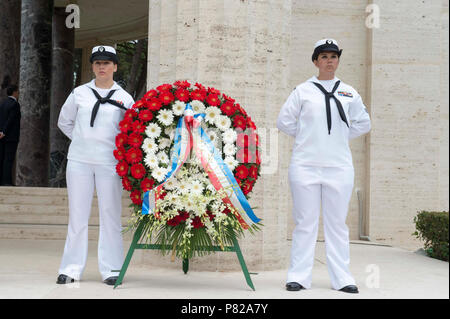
pixel 35 74
pixel 9 41
pixel 61 86
pixel 240 48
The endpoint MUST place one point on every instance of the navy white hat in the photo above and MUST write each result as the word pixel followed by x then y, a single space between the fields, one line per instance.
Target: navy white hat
pixel 105 53
pixel 326 45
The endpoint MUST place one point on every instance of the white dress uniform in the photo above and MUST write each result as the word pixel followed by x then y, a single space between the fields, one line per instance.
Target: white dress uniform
pixel 321 174
pixel 91 164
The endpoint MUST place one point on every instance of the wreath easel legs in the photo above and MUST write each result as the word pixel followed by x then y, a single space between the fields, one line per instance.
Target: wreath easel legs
pixel 185 265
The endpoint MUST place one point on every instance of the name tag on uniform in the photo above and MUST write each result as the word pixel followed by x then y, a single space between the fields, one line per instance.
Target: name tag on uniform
pixel 347 94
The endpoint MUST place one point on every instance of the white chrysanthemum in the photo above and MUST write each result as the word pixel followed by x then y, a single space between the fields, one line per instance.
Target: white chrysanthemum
pixel 196 188
pixel 165 117
pixel 164 143
pixel 149 146
pixel 151 161
pixel 212 113
pixel 163 158
pixel 229 136
pixel 229 149
pixel 198 106
pixel 231 162
pixel 153 130
pixel 183 187
pixel 223 122
pixel 189 205
pixel 170 184
pixel 212 136
pixel 159 173
pixel 178 108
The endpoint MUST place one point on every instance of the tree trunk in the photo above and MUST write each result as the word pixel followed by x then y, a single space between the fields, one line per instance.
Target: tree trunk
pixel 9 42
pixel 35 74
pixel 61 86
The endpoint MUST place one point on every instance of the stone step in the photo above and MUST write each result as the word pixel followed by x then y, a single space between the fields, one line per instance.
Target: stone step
pixel 32 231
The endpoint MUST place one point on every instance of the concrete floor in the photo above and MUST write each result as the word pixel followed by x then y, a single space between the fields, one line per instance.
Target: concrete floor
pixel 28 269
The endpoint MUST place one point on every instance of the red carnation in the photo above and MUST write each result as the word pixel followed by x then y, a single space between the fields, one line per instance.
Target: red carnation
pixel 136 197
pixel 147 184
pixel 213 91
pixel 121 139
pixel 138 171
pixel 210 215
pixel 134 155
pixel 122 168
pixel 240 109
pixel 182 84
pixel 213 100
pixel 135 139
pixel 164 87
pixel 228 108
pixel 173 221
pixel 239 122
pixel 228 99
pixel 166 97
pixel 250 123
pixel 200 86
pixel 130 114
pixel 150 94
pixel 139 104
pixel 242 171
pixel 138 127
pixel 226 211
pixel 145 115
pixel 154 104
pixel 182 95
pixel 247 188
pixel 119 153
pixel 244 155
pixel 197 222
pixel 198 95
pixel 126 184
pixel 253 171
pixel 242 140
pixel 125 126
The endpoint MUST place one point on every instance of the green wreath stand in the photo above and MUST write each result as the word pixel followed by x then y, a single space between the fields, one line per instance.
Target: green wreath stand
pixel 185 266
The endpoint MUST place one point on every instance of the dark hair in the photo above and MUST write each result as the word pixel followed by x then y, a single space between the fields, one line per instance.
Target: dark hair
pixel 11 89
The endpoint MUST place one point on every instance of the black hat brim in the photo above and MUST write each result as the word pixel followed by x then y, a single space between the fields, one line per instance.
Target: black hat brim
pixel 104 56
pixel 326 48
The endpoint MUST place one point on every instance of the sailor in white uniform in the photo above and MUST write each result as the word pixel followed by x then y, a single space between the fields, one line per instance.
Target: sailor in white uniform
pixel 90 118
pixel 322 114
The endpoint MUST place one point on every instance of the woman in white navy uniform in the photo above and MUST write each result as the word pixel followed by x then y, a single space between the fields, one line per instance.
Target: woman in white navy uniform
pixel 90 118
pixel 323 114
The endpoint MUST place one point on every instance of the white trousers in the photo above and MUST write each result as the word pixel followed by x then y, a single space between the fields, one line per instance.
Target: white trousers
pixel 312 188
pixel 82 178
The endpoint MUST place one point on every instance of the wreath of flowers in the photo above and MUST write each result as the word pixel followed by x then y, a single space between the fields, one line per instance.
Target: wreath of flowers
pixel 191 213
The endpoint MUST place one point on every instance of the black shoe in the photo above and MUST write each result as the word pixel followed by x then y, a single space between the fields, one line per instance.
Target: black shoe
pixel 111 280
pixel 63 279
pixel 351 289
pixel 294 286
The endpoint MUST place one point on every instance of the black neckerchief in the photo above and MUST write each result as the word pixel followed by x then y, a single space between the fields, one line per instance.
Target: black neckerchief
pixel 103 100
pixel 328 96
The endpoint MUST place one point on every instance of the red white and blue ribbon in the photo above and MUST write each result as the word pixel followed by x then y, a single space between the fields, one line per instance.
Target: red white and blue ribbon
pixel 189 136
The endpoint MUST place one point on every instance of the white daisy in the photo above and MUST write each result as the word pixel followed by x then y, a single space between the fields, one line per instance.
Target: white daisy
pixel 212 136
pixel 151 161
pixel 159 173
pixel 149 146
pixel 170 184
pixel 196 188
pixel 183 188
pixel 231 162
pixel 163 158
pixel 178 108
pixel 223 122
pixel 212 113
pixel 198 106
pixel 165 117
pixel 164 143
pixel 153 130
pixel 229 149
pixel 229 136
